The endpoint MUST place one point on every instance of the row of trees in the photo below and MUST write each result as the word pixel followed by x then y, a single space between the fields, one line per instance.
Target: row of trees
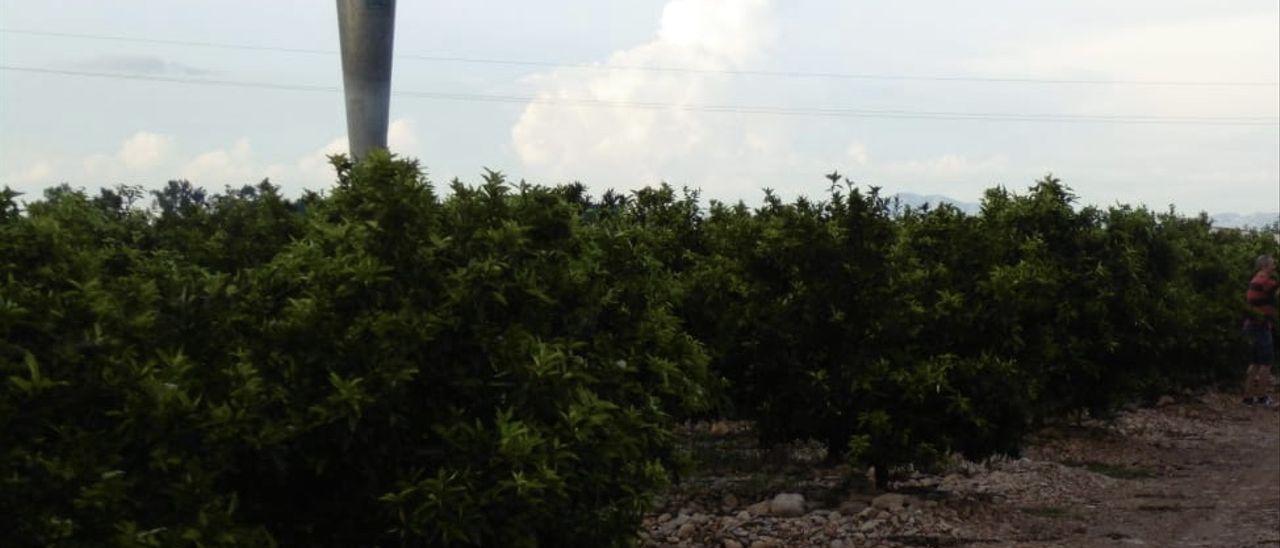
pixel 503 366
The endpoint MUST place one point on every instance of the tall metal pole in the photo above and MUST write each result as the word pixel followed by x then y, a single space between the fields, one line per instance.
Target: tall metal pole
pixel 366 29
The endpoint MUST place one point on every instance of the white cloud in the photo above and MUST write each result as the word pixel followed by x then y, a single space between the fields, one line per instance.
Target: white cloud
pixel 139 153
pixel 857 153
pixel 37 173
pixel 152 158
pixel 630 147
pixel 1226 49
pixel 144 150
pixel 402 138
pixel 732 29
pixel 313 170
pixel 223 166
pixel 1202 49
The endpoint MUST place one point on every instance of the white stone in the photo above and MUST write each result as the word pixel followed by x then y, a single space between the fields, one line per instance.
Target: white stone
pixel 852 507
pixel 729 502
pixel 686 530
pixel 787 505
pixel 889 501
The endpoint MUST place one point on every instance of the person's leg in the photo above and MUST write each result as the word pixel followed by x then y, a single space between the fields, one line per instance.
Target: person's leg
pixel 1246 388
pixel 1265 359
pixel 1262 380
pixel 1248 393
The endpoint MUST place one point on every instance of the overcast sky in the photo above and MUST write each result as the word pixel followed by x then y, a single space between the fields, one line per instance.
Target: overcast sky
pixel 93 131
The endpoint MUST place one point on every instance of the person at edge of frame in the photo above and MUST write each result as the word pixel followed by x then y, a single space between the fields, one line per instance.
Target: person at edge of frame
pixel 1258 326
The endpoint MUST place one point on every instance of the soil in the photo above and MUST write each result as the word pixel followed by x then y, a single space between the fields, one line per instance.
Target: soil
pixel 1194 471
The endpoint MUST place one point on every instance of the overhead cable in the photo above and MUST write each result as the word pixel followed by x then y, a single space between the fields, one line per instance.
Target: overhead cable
pixel 671 69
pixel 838 112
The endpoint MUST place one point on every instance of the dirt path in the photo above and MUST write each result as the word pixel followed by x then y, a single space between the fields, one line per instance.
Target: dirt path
pixel 1214 478
pixel 1241 488
pixel 1204 471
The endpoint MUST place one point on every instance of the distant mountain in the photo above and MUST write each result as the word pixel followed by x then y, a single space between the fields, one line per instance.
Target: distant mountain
pixel 1237 220
pixel 918 200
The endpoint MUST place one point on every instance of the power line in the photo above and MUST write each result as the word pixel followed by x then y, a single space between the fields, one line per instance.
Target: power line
pixel 1257 121
pixel 667 69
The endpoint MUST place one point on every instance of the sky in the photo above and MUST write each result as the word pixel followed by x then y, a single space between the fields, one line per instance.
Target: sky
pixel 577 109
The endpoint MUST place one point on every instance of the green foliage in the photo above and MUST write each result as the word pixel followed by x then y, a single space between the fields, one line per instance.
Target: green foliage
pixel 790 299
pixel 383 366
pixel 899 336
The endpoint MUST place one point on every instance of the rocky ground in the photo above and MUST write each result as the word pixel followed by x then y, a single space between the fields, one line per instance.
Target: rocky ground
pixel 1199 471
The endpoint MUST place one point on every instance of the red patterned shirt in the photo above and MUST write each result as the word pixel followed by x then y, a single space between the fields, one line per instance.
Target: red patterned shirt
pixel 1262 296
